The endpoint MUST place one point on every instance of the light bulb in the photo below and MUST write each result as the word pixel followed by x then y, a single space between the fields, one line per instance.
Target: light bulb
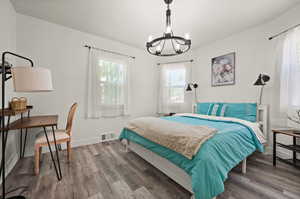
pixel 177 47
pixel 187 36
pixel 150 38
pixel 168 29
pixel 158 49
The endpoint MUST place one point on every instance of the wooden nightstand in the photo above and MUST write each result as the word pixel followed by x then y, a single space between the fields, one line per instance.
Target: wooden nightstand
pixel 295 134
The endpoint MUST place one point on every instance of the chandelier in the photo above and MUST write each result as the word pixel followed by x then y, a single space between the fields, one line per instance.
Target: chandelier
pixel 177 44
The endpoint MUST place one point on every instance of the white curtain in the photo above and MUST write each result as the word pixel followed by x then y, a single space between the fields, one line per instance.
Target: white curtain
pixel 172 84
pixel 290 72
pixel 108 89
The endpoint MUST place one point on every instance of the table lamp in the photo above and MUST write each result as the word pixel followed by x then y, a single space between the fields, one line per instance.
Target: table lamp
pixel 25 79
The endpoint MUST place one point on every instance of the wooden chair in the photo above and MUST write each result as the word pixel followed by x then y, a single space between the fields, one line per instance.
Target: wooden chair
pixel 61 135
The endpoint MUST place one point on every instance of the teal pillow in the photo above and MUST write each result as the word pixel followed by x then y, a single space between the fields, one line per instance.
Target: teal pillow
pixel 202 108
pixel 213 109
pixel 244 111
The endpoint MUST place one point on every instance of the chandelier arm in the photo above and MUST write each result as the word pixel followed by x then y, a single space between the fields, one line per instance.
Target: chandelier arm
pixel 163 46
pixel 155 45
pixel 173 45
pixel 149 51
pixel 179 42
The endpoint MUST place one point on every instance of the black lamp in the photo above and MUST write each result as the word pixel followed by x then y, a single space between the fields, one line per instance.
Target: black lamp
pixel 261 81
pixel 190 87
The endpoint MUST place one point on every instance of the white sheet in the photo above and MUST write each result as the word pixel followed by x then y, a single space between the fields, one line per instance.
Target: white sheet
pixel 252 125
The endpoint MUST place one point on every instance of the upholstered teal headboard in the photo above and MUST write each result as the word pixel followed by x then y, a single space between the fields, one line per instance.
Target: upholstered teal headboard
pixel 245 111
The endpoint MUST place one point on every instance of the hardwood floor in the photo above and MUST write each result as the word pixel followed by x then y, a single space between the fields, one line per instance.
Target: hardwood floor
pixel 105 171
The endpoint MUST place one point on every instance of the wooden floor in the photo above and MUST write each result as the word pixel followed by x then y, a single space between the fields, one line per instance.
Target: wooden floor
pixel 105 171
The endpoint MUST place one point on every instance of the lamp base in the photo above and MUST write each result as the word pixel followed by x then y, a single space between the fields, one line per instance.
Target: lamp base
pixel 16 197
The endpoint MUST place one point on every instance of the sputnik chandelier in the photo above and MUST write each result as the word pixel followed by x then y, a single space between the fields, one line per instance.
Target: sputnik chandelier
pixel 178 45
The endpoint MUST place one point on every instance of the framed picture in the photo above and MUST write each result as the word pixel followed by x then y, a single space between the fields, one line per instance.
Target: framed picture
pixel 223 70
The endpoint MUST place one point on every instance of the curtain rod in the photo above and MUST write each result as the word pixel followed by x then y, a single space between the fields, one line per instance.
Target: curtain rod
pixel 274 36
pixel 108 51
pixel 175 62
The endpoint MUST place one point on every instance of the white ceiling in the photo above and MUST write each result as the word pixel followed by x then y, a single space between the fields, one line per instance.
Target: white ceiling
pixel 132 21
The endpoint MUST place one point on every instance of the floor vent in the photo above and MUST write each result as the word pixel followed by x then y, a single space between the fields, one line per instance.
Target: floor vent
pixel 108 137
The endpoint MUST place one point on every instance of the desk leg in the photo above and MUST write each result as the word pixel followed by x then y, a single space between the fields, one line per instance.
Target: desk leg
pixel 59 177
pixel 25 139
pixel 24 146
pixel 274 149
pixel 56 150
pixel 294 152
pixel 59 145
pixel 21 142
pixel 5 141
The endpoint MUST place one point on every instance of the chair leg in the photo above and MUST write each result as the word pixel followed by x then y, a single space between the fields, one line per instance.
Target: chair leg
pixel 40 153
pixel 37 160
pixel 69 150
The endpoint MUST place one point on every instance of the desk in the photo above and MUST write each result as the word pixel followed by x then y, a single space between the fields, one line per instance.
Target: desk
pixel 294 134
pixel 40 122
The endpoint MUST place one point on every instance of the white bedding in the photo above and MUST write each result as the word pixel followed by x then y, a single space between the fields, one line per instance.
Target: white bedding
pixel 252 125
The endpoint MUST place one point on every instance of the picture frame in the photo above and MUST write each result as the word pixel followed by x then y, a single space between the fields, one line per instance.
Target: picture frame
pixel 223 70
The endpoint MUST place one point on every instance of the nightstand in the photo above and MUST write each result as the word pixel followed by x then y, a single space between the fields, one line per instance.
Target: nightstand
pixel 294 134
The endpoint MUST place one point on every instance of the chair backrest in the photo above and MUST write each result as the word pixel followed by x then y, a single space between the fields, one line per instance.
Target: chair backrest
pixel 71 118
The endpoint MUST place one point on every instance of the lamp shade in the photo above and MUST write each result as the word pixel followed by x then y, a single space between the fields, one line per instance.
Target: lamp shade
pixel 261 80
pixel 189 87
pixel 31 79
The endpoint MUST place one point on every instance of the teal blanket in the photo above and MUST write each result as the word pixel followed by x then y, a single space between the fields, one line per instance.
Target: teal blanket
pixel 210 166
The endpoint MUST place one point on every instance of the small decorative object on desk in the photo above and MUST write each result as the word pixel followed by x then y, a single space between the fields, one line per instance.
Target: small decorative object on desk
pixel 18 103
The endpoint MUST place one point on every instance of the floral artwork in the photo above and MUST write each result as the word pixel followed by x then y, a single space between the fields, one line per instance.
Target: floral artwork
pixel 223 70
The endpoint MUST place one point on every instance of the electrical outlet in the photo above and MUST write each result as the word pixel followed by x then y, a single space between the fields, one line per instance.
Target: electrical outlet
pixel 107 136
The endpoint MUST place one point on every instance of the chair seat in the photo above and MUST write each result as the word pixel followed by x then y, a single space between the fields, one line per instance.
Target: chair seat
pixel 60 134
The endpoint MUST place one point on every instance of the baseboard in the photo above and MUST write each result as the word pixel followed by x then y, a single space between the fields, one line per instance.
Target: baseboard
pixel 10 164
pixel 89 141
pixel 75 143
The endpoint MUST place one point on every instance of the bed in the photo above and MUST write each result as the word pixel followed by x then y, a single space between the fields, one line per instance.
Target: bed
pixel 204 175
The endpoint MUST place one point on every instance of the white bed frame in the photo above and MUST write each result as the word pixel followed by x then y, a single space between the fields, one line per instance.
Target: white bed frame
pixel 179 175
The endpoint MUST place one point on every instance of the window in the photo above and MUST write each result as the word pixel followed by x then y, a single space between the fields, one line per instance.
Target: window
pixel 176 85
pixel 111 77
pixel 108 85
pixel 172 95
pixel 290 72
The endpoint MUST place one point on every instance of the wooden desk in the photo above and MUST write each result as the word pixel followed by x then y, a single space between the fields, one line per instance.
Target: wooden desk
pixel 33 122
pixel 40 122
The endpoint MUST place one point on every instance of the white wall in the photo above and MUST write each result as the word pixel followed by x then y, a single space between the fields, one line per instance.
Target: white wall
pixel 254 54
pixel 61 50
pixel 8 43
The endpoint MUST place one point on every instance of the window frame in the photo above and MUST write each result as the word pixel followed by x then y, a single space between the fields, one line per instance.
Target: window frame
pixel 123 85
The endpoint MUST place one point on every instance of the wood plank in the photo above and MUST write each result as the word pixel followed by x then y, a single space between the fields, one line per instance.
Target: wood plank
pixel 105 171
pixel 143 193
pixel 122 190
